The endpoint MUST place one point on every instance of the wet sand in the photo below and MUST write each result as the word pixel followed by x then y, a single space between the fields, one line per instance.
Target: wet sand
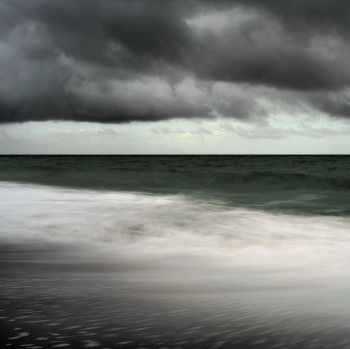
pixel 60 298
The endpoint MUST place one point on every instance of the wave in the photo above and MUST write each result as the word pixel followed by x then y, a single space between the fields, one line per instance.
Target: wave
pixel 165 225
pixel 311 185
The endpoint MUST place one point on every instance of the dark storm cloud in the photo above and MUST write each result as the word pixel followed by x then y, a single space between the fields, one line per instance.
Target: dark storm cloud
pixel 336 104
pixel 141 60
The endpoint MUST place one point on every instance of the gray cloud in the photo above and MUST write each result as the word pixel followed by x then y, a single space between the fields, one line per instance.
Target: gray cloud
pixel 307 16
pixel 120 61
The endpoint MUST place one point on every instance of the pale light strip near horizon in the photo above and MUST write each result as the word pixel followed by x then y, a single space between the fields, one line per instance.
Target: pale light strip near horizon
pixel 175 137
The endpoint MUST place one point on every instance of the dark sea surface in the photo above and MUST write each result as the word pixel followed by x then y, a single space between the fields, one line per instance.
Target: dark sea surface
pixel 175 251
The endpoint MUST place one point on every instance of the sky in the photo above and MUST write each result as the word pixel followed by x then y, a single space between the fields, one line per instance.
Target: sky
pixel 174 77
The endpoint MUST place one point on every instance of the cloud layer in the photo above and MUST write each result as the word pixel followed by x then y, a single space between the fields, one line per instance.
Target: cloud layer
pixel 141 60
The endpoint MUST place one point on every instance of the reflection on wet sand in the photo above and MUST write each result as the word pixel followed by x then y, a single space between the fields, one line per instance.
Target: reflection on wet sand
pixel 57 300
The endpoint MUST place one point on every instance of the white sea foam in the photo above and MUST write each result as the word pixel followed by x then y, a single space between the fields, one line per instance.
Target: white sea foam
pixel 167 225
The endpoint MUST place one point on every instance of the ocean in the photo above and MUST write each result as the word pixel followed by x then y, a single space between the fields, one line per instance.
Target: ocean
pixel 175 251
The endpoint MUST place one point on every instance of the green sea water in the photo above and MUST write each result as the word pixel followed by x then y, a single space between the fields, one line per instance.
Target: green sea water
pixel 300 184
